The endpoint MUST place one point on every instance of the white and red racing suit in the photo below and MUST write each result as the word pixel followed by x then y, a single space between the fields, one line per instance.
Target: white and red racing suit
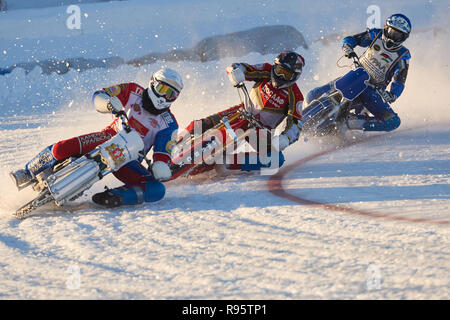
pixel 155 130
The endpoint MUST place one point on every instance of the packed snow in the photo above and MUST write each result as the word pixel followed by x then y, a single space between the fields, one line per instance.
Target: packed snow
pixel 228 237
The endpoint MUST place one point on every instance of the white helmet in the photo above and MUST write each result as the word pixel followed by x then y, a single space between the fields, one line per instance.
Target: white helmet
pixel 164 88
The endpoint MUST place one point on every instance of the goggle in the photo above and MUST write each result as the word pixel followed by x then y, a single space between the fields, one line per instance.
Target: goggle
pixel 394 34
pixel 164 90
pixel 282 72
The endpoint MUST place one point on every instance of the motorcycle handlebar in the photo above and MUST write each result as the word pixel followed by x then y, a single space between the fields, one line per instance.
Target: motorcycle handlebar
pixel 246 102
pixel 356 61
pixel 123 119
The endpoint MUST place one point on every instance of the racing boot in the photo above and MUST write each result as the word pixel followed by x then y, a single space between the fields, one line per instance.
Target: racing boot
pixel 43 161
pixel 108 198
pixel 390 121
pixel 270 162
pixel 149 191
pixel 356 122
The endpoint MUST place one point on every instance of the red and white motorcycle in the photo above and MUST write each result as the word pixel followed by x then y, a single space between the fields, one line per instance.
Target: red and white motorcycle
pixel 69 179
pixel 194 152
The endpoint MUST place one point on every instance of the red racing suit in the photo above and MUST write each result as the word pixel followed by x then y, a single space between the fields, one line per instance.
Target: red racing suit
pixel 269 105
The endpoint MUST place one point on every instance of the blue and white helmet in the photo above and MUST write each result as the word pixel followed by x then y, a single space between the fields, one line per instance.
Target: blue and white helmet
pixel 396 30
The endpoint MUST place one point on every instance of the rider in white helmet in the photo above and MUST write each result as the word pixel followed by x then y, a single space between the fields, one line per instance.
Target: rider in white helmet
pixel 148 111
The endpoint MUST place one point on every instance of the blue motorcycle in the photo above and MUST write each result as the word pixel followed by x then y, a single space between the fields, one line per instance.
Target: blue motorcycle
pixel 327 114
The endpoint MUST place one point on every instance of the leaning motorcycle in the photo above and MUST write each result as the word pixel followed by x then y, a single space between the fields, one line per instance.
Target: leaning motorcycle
pixel 327 114
pixel 68 180
pixel 195 152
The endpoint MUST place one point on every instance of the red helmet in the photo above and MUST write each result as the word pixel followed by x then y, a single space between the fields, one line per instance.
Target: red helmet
pixel 287 68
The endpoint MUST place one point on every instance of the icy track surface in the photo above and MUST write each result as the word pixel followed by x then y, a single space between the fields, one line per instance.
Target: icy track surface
pixel 229 237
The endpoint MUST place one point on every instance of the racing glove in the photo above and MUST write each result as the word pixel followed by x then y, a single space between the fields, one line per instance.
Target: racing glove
pixel 236 75
pixel 389 97
pixel 289 135
pixel 104 103
pixel 114 105
pixel 348 51
pixel 161 171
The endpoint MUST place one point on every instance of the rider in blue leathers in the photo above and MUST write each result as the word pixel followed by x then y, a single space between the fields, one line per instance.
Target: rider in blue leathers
pixel 387 61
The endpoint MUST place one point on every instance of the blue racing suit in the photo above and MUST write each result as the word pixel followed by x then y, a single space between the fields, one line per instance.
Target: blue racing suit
pixel 385 66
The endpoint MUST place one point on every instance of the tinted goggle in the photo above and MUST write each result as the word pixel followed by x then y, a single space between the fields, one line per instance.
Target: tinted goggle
pixel 395 35
pixel 164 90
pixel 282 72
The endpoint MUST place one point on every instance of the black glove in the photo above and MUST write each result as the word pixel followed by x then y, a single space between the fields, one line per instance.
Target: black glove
pixel 348 51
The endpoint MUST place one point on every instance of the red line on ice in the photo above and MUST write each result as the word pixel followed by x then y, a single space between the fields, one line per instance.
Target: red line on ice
pixel 275 186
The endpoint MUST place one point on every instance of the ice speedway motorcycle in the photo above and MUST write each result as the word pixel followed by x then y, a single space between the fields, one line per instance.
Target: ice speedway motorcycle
pixel 327 114
pixel 197 151
pixel 68 180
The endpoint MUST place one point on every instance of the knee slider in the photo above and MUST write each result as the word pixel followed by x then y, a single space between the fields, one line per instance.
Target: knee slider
pixel 151 191
pixel 277 164
pixel 267 164
pixel 392 123
pixel 154 191
pixel 310 97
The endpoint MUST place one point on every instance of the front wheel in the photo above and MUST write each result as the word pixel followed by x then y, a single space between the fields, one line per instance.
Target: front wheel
pixel 43 198
pixel 326 115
